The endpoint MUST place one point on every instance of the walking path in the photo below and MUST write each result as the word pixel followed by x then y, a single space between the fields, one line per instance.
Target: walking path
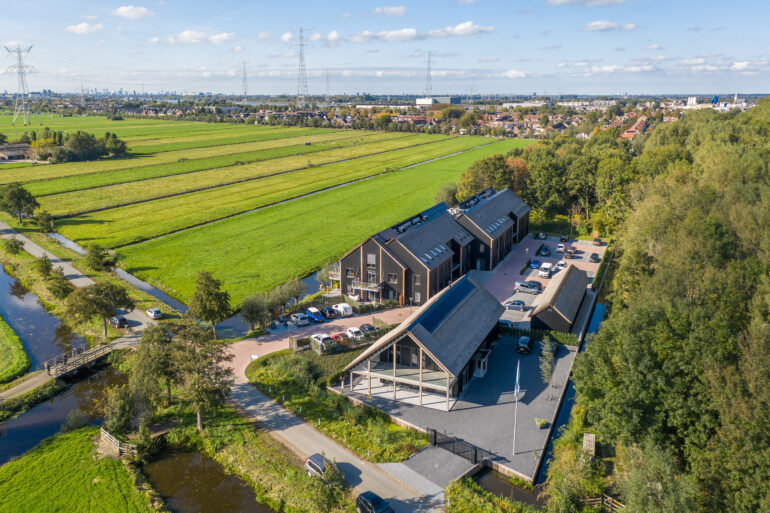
pixel 137 320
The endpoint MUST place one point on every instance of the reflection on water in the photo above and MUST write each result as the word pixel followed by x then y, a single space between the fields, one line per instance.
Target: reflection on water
pixel 24 432
pixel 42 333
pixel 500 485
pixel 192 483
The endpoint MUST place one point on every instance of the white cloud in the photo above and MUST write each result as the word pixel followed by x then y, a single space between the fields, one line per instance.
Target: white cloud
pixel 586 2
pixel 395 36
pixel 739 65
pixel 345 15
pixel 333 38
pixel 132 12
pixel 614 68
pixel 287 37
pixel 154 40
pixel 396 10
pixel 694 62
pixel 513 73
pixel 467 28
pixel 84 28
pixel 653 47
pixel 465 2
pixel 238 49
pixel 489 59
pixel 562 64
pixel 604 26
pixel 263 36
pixel 220 38
pixel 315 37
pixel 91 17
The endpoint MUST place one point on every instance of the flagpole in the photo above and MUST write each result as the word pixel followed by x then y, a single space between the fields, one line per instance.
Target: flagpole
pixel 516 407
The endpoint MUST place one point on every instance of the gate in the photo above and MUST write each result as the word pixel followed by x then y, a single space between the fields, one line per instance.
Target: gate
pixel 463 449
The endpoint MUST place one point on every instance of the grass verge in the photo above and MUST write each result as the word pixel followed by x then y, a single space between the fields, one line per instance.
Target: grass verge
pixel 13 358
pixel 466 496
pixel 298 382
pixel 22 403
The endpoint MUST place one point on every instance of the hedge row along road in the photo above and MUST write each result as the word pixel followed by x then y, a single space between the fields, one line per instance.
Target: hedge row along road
pixel 261 249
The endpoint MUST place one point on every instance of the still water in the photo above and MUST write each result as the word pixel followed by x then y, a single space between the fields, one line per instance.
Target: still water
pixel 192 483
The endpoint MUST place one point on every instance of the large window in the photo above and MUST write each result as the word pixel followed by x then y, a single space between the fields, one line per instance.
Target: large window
pixel 349 273
pixel 392 278
pixel 371 260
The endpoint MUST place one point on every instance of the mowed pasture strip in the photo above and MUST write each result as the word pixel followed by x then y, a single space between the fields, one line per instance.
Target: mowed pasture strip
pixel 273 161
pixel 47 172
pixel 135 223
pixel 89 124
pixel 167 135
pixel 259 250
pixel 271 149
pixel 182 143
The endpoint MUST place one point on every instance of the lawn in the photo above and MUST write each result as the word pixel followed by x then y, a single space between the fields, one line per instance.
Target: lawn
pixel 298 382
pixel 264 163
pixel 64 474
pixel 84 175
pixel 13 359
pixel 259 250
pixel 126 225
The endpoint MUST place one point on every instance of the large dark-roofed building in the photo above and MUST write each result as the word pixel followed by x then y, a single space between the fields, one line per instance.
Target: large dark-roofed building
pixel 436 351
pixel 557 307
pixel 498 220
pixel 14 151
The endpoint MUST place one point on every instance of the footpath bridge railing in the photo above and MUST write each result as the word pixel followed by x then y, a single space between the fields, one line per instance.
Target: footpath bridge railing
pixel 74 359
pixel 121 449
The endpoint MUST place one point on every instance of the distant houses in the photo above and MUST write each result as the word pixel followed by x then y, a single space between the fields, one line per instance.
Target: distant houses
pixel 14 151
pixel 413 260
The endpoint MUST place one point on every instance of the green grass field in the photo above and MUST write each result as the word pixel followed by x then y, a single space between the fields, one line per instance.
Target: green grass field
pixel 13 359
pixel 64 474
pixel 259 250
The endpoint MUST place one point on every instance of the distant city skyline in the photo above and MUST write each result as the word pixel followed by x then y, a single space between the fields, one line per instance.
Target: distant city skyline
pixel 477 46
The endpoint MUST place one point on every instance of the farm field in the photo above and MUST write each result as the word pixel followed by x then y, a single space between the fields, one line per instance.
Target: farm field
pixel 134 223
pixel 231 169
pixel 261 249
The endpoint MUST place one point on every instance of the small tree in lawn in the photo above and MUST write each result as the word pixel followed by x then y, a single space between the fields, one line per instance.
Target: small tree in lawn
pixel 17 201
pixel 153 368
pixel 204 379
pixel 13 247
pixel 59 285
pixel 100 299
pixel 44 266
pixel 209 303
pixel 254 310
pixel 98 258
pixel 293 289
pixel 45 222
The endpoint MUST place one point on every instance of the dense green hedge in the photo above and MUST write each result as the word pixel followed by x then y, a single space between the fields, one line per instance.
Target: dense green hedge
pixel 14 358
pixel 602 270
pixel 568 339
pixel 466 496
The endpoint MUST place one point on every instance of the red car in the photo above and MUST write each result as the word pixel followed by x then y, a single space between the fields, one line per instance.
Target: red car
pixel 341 338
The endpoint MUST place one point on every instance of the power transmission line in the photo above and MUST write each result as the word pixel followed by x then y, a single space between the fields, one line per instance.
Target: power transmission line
pixel 428 85
pixel 21 104
pixel 326 96
pixel 245 83
pixel 302 93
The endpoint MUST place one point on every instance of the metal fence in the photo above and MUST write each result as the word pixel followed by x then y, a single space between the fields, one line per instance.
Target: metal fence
pixel 463 449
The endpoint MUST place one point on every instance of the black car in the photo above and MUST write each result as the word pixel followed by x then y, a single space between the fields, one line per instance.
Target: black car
pixel 563 238
pixel 370 502
pixel 119 322
pixel 524 345
pixel 544 251
pixel 328 312
pixel 367 329
pixel 595 258
pixel 597 241
pixel 316 464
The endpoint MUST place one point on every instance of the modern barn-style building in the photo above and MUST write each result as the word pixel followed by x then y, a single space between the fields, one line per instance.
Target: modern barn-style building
pixel 557 307
pixel 412 261
pixel 431 356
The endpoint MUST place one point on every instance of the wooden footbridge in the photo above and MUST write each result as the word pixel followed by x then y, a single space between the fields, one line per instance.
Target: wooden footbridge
pixel 75 359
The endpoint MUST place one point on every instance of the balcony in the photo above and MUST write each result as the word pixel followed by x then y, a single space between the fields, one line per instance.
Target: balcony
pixel 366 285
pixel 334 274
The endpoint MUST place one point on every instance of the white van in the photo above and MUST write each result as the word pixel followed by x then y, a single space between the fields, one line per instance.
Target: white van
pixel 343 309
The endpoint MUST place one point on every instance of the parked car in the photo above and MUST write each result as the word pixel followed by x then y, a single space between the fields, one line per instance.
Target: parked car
pixel 563 238
pixel 570 253
pixel 316 465
pixel 595 258
pixel 542 236
pixel 341 338
pixel 560 248
pixel 370 502
pixel 535 284
pixel 119 321
pixel 154 313
pixel 367 328
pixel 355 333
pixel 545 270
pixel 505 323
pixel 560 265
pixel 597 241
pixel 525 286
pixel 329 312
pixel 314 314
pixel 323 340
pixel 300 319
pixel 544 251
pixel 524 345
pixel 534 264
pixel 515 304
pixel 343 309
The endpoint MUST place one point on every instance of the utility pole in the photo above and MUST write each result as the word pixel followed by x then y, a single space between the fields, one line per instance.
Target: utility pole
pixel 82 96
pixel 301 73
pixel 428 85
pixel 245 83
pixel 21 104
pixel 326 96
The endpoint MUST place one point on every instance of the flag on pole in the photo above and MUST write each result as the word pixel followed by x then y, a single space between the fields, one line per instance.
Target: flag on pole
pixel 516 388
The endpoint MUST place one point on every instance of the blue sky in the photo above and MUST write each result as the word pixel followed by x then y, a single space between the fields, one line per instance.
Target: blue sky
pixel 478 46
